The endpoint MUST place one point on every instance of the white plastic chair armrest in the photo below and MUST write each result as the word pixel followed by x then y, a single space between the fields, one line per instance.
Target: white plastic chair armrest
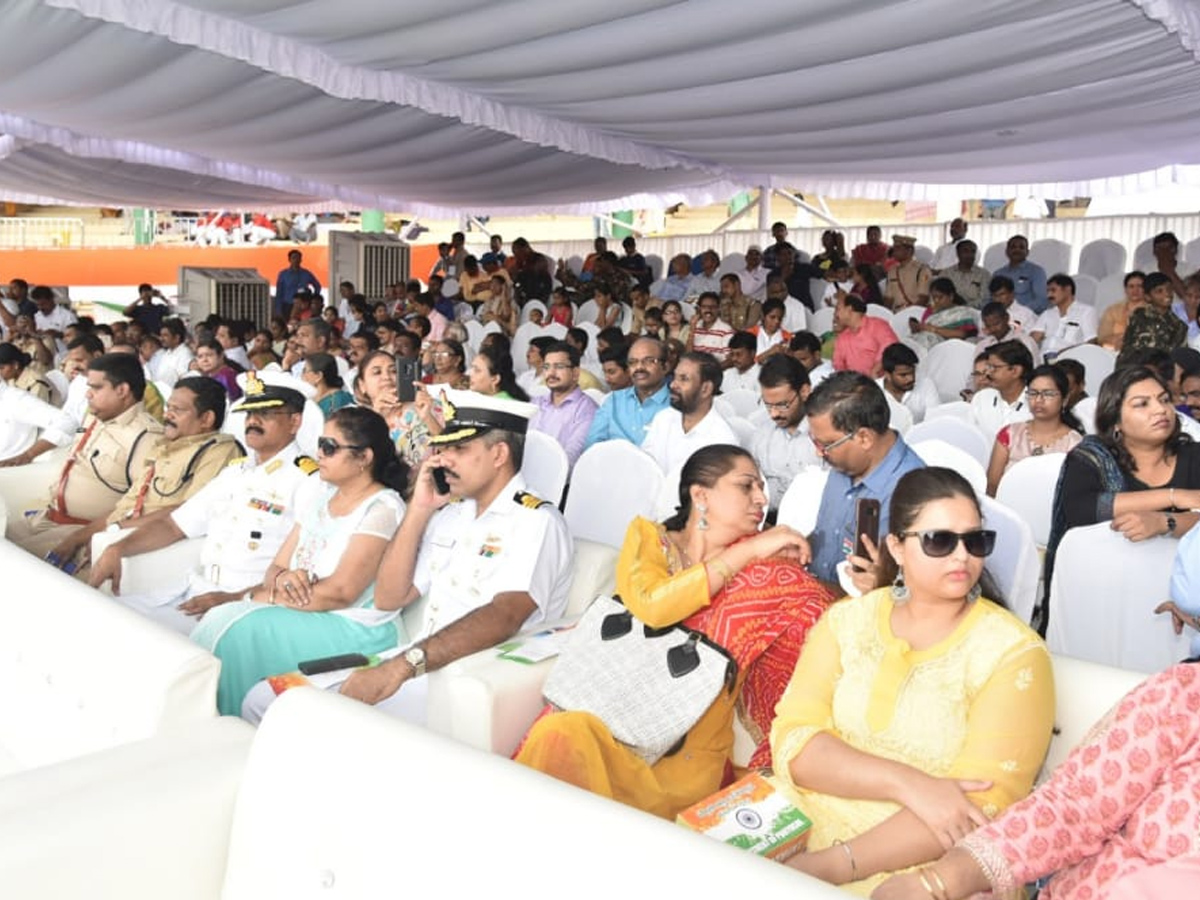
pixel 157 572
pixel 485 701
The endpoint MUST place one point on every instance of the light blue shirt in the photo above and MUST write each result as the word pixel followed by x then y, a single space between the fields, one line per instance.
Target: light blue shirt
pixel 1180 310
pixel 1185 579
pixel 622 416
pixel 1029 284
pixel 675 288
pixel 834 537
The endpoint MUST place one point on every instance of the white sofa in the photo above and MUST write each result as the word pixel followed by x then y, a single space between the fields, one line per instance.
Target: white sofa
pixel 82 673
pixel 334 799
pixel 480 700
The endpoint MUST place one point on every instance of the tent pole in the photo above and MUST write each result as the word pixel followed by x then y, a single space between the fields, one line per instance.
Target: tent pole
pixel 764 208
pixel 625 225
pixel 823 215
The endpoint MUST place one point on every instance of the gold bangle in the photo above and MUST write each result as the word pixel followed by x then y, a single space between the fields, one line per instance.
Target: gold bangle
pixel 721 567
pixel 937 880
pixel 849 856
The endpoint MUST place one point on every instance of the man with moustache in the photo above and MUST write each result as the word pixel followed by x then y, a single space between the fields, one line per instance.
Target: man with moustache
pixel 691 422
pixel 244 515
pixel 626 413
pixel 189 454
pixel 489 557
pixel 784 451
pixel 106 458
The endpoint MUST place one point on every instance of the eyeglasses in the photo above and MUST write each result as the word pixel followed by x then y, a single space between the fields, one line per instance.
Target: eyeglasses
pixel 327 446
pixel 556 367
pixel 444 353
pixel 936 544
pixel 645 361
pixel 782 406
pixel 1042 395
pixel 823 449
pixel 992 367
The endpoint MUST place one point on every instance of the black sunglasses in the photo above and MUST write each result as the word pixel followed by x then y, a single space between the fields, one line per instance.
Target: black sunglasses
pixel 327 446
pixel 936 544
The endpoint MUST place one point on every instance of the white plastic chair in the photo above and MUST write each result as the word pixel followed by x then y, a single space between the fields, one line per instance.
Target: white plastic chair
pixel 901 319
pixel 1085 412
pixel 1098 363
pixel 596 394
pixel 1102 258
pixel 58 382
pixel 743 401
pixel 475 333
pixel 450 287
pixel 1086 288
pixel 958 409
pixel 527 332
pixel 1109 292
pixel 939 453
pixel 816 290
pixel 743 429
pixel 994 257
pixel 958 433
pixel 1143 256
pixel 529 307
pixel 655 264
pixel 1102 598
pixel 613 482
pixel 799 505
pixel 949 365
pixel 587 315
pixel 1052 255
pixel 1015 564
pixel 1028 490
pixel 545 466
pixel 820 322
pixel 880 312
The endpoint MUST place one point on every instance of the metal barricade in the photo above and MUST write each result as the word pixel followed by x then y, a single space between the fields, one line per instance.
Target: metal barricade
pixel 36 232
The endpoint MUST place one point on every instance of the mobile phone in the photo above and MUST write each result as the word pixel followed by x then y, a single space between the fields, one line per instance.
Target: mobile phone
pixel 866 522
pixel 332 663
pixel 408 372
pixel 440 484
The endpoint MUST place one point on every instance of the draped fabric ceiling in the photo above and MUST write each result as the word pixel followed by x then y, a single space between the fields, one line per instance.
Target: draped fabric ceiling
pixel 556 105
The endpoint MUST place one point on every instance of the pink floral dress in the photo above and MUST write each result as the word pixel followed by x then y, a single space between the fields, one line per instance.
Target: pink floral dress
pixel 1123 809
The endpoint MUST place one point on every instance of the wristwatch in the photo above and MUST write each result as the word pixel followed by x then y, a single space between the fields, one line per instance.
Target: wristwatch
pixel 1170 524
pixel 415 657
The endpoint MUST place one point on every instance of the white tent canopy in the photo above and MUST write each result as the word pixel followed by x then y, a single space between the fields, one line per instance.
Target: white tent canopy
pixel 522 105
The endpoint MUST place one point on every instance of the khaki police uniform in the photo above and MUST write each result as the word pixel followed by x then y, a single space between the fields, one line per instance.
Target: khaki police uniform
pixel 106 460
pixel 30 380
pixel 175 471
pixel 906 284
pixel 244 515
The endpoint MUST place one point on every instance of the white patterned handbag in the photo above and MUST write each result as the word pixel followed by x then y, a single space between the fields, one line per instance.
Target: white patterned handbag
pixel 649 686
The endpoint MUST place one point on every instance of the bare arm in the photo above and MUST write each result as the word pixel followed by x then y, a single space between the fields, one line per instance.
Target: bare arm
pixel 482 628
pixel 355 572
pixel 996 467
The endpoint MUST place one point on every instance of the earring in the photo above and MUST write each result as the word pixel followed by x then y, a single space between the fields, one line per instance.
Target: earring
pixel 703 523
pixel 1117 433
pixel 974 593
pixel 900 591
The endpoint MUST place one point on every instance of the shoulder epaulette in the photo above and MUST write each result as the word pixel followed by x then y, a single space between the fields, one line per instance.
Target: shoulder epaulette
pixel 307 464
pixel 530 501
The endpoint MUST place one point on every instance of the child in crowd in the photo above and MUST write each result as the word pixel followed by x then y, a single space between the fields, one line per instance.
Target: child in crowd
pixel 560 308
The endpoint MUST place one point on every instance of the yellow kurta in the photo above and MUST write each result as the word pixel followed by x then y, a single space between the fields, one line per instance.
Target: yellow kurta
pixel 977 705
pixel 578 748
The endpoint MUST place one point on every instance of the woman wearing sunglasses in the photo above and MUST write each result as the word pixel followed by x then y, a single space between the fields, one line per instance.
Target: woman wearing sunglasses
pixel 918 711
pixel 316 599
pixel 1053 428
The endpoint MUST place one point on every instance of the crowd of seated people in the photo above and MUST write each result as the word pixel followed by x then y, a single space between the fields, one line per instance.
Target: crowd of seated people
pixel 134 416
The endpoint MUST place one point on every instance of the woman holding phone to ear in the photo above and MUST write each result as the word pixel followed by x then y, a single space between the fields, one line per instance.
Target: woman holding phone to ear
pixel 918 711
